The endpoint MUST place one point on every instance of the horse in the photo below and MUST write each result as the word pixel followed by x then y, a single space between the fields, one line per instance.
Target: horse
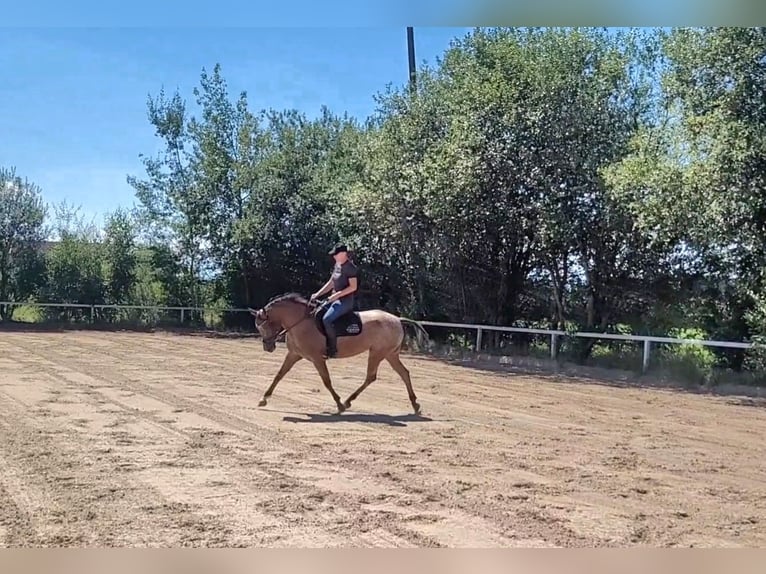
pixel 375 331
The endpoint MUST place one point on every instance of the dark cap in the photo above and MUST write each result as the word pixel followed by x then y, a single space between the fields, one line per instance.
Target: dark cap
pixel 339 248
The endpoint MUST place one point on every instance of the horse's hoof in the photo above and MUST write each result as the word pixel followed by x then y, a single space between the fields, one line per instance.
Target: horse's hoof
pixel 417 408
pixel 341 408
pixel 347 404
pixel 262 403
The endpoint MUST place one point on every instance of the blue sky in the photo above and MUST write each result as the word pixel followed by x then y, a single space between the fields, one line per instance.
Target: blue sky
pixel 73 100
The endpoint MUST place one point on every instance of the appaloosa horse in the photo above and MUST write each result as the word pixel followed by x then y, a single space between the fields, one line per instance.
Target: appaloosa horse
pixel 376 331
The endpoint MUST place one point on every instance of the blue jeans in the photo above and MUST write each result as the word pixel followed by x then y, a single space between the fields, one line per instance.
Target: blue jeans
pixel 336 310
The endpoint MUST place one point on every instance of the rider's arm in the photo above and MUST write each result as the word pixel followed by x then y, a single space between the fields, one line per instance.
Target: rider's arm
pixel 325 288
pixel 352 285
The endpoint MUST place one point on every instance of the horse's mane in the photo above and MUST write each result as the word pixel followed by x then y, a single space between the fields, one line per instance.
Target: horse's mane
pixel 292 297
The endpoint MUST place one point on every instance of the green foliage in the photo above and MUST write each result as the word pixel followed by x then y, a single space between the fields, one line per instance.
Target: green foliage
pixel 22 214
pixel 75 263
pixel 119 257
pixel 696 178
pixel 28 314
pixel 691 362
pixel 755 359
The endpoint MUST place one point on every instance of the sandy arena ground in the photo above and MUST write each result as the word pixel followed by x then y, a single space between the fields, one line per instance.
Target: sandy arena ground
pixel 157 440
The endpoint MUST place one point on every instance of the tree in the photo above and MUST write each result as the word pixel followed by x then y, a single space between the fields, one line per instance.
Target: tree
pixel 226 145
pixel 74 264
pixel 697 178
pixel 22 215
pixel 295 207
pixel 489 177
pixel 119 252
pixel 171 209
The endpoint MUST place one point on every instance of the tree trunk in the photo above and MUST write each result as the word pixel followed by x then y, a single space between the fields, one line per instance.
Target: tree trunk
pixel 558 283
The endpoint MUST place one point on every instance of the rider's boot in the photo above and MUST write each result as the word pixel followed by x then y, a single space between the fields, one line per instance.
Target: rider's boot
pixel 332 344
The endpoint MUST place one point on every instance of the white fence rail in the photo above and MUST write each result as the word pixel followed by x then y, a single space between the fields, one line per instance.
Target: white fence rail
pixel 480 329
pixel 182 310
pixel 555 334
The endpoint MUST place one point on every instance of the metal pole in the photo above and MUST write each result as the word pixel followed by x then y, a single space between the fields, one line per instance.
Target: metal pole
pixel 554 350
pixel 411 53
pixel 647 351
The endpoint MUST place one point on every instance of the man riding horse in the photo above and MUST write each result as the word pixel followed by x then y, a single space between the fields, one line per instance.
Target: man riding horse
pixel 344 283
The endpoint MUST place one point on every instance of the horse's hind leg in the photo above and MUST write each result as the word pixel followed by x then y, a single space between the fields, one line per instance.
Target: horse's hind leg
pixel 402 371
pixel 287 364
pixel 373 361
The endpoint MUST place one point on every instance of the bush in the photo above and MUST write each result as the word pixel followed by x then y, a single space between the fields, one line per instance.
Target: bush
pixel 693 363
pixel 755 359
pixel 29 313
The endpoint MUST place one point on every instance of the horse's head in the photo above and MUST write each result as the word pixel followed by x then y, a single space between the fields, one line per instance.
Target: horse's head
pixel 268 328
pixel 280 314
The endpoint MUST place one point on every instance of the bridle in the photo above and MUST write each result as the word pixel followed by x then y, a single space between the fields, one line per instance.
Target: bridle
pixel 310 313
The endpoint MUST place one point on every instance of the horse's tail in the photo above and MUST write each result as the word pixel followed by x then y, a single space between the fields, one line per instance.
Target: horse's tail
pixel 420 327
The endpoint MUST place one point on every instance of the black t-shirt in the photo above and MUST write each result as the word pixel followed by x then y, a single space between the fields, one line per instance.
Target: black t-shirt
pixel 341 274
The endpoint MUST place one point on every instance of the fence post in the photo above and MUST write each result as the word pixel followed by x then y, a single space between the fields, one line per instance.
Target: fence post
pixel 182 316
pixel 647 351
pixel 554 350
pixel 92 313
pixel 478 340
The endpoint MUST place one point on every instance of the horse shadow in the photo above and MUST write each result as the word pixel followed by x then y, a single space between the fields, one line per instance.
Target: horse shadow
pixel 374 418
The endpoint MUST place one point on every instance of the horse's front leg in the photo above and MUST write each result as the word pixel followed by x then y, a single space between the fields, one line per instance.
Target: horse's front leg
pixel 321 367
pixel 287 364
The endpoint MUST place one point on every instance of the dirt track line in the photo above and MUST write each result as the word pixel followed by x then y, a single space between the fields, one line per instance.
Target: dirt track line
pixel 297 403
pixel 294 399
pixel 90 396
pixel 483 508
pixel 44 364
pixel 62 502
pixel 520 385
pixel 18 504
pixel 514 515
pixel 235 422
pixel 464 404
pixel 299 399
pixel 517 518
pixel 236 381
pixel 224 364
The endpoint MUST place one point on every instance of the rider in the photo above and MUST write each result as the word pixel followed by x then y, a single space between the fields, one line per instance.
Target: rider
pixel 343 283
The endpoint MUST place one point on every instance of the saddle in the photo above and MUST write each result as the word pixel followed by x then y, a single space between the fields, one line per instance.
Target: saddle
pixel 348 325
